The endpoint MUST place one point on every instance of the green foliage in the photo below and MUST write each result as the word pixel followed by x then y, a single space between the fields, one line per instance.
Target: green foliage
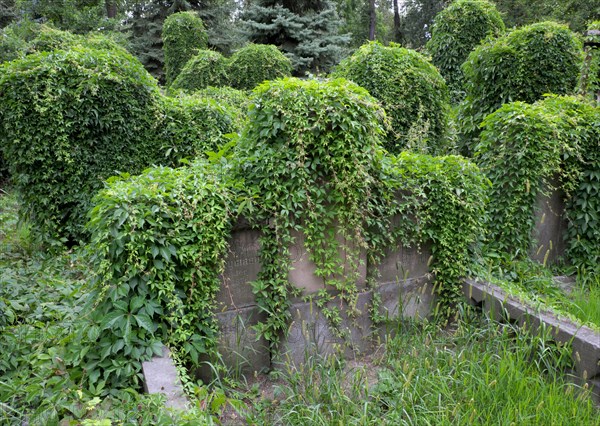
pixel 45 332
pixel 311 157
pixel 192 125
pixel 69 120
pixel 457 30
pixel 159 244
pixel 255 63
pixel 183 36
pixel 439 196
pixel 521 66
pixel 308 36
pixel 207 68
pixel 411 90
pixel 579 129
pixel 84 115
pixel 26 37
pixel 479 373
pixel 577 13
pixel 523 148
pixel 309 152
pixel 589 84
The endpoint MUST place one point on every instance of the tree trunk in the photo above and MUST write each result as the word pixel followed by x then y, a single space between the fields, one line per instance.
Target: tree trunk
pixel 397 32
pixel 111 9
pixel 372 19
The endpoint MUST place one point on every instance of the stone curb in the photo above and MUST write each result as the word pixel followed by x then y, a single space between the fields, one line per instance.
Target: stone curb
pixel 584 340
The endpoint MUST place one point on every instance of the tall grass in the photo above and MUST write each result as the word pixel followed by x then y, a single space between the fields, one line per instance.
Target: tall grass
pixel 480 372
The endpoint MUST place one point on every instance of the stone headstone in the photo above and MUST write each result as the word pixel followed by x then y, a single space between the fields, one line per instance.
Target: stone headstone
pixel 310 332
pixel 302 274
pixel 550 226
pixel 241 268
pixel 401 263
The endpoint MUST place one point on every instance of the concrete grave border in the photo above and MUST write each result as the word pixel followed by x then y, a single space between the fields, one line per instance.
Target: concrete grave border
pixel 585 341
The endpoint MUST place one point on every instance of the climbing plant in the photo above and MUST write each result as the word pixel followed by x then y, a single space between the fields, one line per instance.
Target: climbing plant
pixel 443 204
pixel 159 242
pixel 520 66
pixel 309 153
pixel 457 30
pixel 410 89
pixel 311 159
pixel 207 68
pixel 183 36
pixel 255 63
pixel 523 149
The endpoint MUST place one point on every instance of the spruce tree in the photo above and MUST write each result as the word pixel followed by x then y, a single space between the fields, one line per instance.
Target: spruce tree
pixel 306 31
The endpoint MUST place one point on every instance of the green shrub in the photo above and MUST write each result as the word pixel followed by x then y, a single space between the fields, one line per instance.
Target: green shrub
pixel 15 38
pixel 521 66
pixel 207 68
pixel 192 125
pixel 26 37
pixel 236 101
pixel 523 148
pixel 160 242
pixel 183 36
pixel 457 30
pixel 411 90
pixel 69 120
pixel 255 63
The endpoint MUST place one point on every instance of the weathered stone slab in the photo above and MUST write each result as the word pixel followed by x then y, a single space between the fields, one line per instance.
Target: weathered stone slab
pixel 550 226
pixel 240 350
pixel 160 376
pixel 302 274
pixel 413 298
pixel 585 341
pixel 241 267
pixel 401 263
pixel 311 333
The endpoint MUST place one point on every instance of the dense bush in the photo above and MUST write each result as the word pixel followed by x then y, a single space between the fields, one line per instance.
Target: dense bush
pixel 84 115
pixel 183 36
pixel 579 128
pixel 207 68
pixel 457 30
pixel 26 37
pixel 523 148
pixel 255 63
pixel 236 101
pixel 411 90
pixel 69 120
pixel 521 66
pixel 192 125
pixel 159 241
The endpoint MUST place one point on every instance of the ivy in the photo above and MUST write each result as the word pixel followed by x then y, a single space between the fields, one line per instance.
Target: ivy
pixel 443 203
pixel 255 63
pixel 523 148
pixel 522 66
pixel 311 158
pixel 457 30
pixel 159 242
pixel 71 119
pixel 309 154
pixel 207 68
pixel 183 36
pixel 411 90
